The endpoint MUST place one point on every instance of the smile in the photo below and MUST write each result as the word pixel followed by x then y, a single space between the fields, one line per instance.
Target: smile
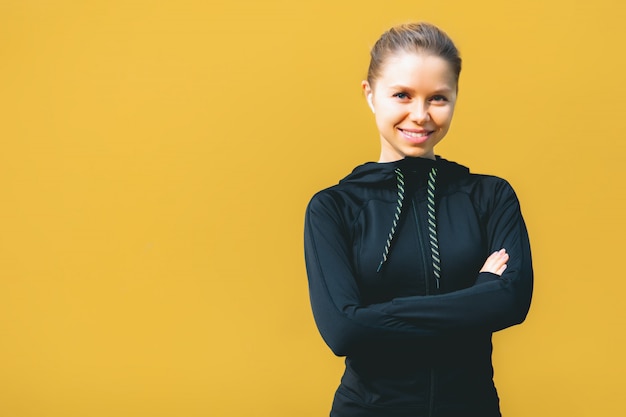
pixel 415 135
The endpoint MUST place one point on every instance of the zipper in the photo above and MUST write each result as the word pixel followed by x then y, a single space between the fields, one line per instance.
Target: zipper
pixel 420 239
pixel 431 401
pixel 418 226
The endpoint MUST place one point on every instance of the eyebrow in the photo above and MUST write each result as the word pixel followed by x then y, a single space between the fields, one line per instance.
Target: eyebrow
pixel 444 89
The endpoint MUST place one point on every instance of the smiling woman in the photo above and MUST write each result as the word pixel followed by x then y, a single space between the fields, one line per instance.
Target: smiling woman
pixel 413 261
pixel 413 100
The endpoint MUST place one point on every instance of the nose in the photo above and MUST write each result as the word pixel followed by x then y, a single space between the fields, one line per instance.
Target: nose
pixel 419 113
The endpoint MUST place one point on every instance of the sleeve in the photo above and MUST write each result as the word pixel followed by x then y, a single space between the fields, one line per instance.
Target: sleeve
pixel 345 324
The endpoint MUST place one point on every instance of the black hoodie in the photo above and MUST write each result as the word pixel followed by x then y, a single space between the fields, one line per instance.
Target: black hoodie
pixel 395 285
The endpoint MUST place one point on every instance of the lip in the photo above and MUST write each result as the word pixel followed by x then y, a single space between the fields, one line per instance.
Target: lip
pixel 408 135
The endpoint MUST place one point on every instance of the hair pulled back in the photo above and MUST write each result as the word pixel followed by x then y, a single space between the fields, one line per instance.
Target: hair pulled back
pixel 417 38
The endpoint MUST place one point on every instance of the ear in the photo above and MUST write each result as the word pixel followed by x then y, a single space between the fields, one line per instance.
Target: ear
pixel 367 91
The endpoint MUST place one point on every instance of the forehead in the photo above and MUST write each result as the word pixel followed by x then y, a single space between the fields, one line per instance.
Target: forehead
pixel 416 70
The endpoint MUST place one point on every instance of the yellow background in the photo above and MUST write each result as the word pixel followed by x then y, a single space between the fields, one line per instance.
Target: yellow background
pixel 157 158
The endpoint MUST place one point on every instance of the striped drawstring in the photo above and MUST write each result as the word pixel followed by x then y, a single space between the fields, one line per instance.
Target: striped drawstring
pixel 432 222
pixel 432 226
pixel 396 216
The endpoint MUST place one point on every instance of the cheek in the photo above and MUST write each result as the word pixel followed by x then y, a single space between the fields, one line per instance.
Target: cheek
pixel 382 118
pixel 443 117
pixel 388 115
pixel 384 126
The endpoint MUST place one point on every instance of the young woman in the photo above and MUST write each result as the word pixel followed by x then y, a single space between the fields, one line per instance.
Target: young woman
pixel 413 261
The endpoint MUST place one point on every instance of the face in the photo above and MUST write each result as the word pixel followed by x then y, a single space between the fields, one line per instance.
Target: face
pixel 413 101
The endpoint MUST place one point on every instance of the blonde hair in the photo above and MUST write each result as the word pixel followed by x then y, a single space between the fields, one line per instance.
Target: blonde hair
pixel 417 38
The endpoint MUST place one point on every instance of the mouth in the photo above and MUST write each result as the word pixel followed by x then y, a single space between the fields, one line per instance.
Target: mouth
pixel 415 135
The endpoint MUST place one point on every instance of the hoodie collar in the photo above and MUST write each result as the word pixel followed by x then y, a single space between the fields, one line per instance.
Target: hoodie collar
pixel 375 172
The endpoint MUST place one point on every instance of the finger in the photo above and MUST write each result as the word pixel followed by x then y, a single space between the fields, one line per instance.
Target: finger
pixel 497 257
pixel 495 262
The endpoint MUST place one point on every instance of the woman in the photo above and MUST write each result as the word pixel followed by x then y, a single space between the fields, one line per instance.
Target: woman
pixel 413 261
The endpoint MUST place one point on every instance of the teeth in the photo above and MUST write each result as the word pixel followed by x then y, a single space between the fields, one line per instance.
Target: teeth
pixel 415 134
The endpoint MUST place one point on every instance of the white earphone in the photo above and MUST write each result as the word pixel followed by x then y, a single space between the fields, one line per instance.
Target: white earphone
pixel 369 101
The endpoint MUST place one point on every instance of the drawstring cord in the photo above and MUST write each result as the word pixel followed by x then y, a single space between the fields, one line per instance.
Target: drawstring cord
pixel 432 226
pixel 432 222
pixel 396 216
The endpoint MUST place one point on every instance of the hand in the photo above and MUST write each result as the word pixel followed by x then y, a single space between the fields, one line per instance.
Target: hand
pixel 496 262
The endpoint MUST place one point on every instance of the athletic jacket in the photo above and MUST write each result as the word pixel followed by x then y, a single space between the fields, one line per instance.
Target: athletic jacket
pixel 393 254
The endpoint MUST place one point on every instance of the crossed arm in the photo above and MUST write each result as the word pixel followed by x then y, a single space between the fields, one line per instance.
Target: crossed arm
pixel 500 298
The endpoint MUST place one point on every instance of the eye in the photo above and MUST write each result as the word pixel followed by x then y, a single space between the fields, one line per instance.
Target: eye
pixel 438 98
pixel 401 96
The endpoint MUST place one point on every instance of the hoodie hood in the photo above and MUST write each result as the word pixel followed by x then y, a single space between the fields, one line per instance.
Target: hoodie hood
pixel 376 172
